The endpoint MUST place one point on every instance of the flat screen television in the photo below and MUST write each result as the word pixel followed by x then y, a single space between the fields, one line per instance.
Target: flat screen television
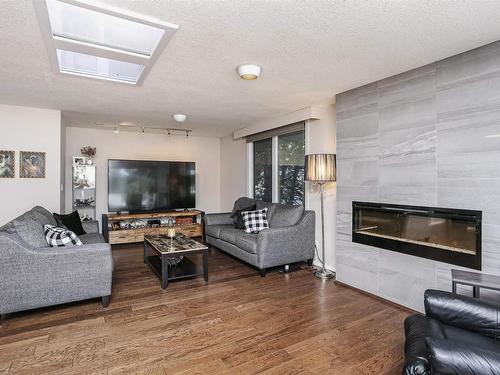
pixel 150 186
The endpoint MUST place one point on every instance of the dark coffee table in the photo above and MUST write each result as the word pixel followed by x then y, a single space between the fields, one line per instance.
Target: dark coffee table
pixel 162 255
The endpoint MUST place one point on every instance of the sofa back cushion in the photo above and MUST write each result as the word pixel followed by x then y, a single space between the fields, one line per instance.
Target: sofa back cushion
pixel 285 215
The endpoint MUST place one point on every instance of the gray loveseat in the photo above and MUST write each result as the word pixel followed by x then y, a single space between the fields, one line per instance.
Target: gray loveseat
pixel 289 239
pixel 33 275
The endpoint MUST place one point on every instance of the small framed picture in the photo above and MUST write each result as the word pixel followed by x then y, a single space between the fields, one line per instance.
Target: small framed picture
pixel 79 160
pixel 31 164
pixel 7 164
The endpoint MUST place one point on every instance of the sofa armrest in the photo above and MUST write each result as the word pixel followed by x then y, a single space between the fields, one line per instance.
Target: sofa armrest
pixel 36 277
pixel 463 312
pixel 448 357
pixel 278 246
pixel 91 226
pixel 219 219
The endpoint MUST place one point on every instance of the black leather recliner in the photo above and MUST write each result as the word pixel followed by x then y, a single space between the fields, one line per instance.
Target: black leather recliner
pixel 458 335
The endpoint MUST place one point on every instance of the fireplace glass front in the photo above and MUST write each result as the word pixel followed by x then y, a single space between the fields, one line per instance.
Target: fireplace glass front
pixel 443 234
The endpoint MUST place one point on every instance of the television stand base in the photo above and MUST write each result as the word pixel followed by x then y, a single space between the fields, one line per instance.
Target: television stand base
pixel 130 228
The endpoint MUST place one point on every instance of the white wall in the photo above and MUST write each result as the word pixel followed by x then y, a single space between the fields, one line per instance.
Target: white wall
pixel 30 129
pixel 321 138
pixel 204 151
pixel 233 161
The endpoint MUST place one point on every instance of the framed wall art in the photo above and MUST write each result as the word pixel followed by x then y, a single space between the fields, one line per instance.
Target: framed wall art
pixel 7 164
pixel 31 164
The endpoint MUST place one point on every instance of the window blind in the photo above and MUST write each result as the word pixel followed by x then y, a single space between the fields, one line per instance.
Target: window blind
pixel 292 128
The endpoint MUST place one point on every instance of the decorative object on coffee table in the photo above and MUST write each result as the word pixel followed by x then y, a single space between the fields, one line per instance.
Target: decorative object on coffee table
pixel 319 169
pixel 172 263
pixel 31 164
pixel 7 164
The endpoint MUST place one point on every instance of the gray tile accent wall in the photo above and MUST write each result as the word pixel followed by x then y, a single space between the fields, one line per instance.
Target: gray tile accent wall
pixel 420 138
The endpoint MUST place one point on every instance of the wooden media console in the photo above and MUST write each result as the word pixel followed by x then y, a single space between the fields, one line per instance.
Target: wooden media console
pixel 129 228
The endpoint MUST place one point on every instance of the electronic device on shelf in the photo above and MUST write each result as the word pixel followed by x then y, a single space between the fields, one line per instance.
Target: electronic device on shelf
pixel 141 186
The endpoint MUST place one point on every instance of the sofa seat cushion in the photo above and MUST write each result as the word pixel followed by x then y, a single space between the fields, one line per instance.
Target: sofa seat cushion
pixel 90 238
pixel 247 242
pixel 214 230
pixel 230 234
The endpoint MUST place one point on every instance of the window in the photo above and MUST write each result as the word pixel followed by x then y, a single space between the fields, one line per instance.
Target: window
pixel 278 165
pixel 291 152
pixel 101 41
pixel 262 170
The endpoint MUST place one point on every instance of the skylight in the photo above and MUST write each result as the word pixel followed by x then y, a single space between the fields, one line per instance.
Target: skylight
pixel 98 67
pixel 98 41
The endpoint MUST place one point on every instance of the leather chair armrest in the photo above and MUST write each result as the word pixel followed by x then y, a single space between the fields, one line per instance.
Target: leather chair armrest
pixel 416 366
pixel 463 312
pixel 447 357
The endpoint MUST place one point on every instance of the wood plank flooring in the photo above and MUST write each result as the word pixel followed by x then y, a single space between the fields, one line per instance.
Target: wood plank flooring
pixel 238 323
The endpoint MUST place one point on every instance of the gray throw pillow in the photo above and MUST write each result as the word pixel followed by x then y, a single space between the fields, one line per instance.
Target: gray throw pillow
pixel 30 232
pixel 241 203
pixel 46 213
pixel 285 216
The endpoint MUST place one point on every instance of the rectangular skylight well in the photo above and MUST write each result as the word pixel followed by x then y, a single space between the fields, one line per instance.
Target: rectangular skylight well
pixel 80 24
pixel 99 67
pixel 84 38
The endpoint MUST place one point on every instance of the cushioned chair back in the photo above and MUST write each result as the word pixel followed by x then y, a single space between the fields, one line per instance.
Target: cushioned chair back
pixel 463 312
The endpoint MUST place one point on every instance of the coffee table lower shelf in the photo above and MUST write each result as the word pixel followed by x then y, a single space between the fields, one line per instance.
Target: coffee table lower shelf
pixel 186 268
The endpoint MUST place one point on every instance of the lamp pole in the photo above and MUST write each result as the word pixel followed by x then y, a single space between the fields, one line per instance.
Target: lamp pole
pixel 323 273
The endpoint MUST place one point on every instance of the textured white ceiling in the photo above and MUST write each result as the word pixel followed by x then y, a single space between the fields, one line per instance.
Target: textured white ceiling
pixel 309 50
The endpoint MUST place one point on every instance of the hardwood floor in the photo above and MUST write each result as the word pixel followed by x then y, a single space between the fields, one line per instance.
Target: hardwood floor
pixel 238 323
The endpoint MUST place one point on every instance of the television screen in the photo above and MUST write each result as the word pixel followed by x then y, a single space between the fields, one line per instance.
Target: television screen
pixel 145 186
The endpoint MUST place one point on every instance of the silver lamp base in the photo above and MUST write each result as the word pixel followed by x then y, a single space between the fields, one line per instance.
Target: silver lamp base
pixel 324 274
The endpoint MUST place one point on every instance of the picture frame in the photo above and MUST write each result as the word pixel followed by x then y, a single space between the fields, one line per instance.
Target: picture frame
pixel 79 160
pixel 7 164
pixel 32 164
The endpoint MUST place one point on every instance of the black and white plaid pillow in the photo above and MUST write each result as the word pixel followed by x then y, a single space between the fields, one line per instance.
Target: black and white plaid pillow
pixel 255 221
pixel 58 237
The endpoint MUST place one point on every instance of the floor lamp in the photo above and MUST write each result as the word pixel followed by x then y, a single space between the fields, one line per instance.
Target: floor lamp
pixel 319 169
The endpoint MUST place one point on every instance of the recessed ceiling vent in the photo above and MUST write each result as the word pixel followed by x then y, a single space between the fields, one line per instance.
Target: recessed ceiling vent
pixel 90 40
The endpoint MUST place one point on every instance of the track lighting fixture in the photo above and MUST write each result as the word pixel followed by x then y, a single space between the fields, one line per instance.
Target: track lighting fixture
pixel 116 130
pixel 143 130
pixel 187 134
pixel 168 132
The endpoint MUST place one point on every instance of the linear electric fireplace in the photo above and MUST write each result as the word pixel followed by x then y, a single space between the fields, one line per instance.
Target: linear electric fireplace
pixel 442 234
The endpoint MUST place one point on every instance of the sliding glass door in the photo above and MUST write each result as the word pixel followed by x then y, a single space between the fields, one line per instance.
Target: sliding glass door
pixel 278 167
pixel 263 170
pixel 291 152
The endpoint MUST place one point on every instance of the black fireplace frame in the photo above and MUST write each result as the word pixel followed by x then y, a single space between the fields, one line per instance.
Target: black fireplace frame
pixel 429 252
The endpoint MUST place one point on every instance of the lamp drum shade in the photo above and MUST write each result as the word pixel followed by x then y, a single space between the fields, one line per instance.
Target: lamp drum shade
pixel 320 167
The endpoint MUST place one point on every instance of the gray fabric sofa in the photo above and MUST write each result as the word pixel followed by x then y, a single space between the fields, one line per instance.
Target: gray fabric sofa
pixel 289 239
pixel 33 275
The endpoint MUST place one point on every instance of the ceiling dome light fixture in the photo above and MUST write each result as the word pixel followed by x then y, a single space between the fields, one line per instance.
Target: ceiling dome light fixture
pixel 249 72
pixel 180 117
